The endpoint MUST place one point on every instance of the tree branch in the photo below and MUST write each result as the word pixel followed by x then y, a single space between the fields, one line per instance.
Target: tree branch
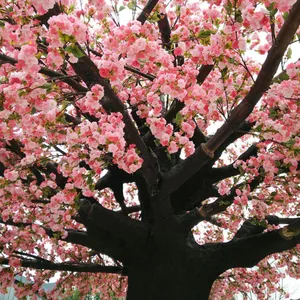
pixel 165 31
pixel 89 73
pixel 200 186
pixel 191 169
pixel 138 72
pixel 205 212
pixel 203 73
pixel 147 11
pixel 250 227
pixel 119 225
pixel 191 219
pixel 179 174
pixel 263 81
pixel 177 105
pixel 50 73
pixel 114 176
pixel 223 202
pixel 16 224
pixel 254 226
pixel 132 209
pixel 199 163
pixel 51 167
pixel 247 252
pixel 2 169
pixel 114 179
pixel 41 264
pixel 192 193
pixel 104 241
pixel 243 129
pixel 218 174
pixel 50 13
pixel 201 156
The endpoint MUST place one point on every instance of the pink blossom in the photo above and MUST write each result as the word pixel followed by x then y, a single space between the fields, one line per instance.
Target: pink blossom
pixel 11 175
pixel 15 262
pixel 27 58
pixel 178 51
pixel 188 129
pixel 173 148
pixel 189 148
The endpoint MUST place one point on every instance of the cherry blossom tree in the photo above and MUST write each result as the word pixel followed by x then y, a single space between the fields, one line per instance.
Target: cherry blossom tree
pixel 154 158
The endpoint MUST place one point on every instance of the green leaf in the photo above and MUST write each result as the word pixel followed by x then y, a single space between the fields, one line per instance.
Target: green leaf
pixel 46 86
pixel 297 151
pixel 289 53
pixel 178 119
pixel 132 4
pixel 283 76
pixel 23 92
pixel 175 38
pixel 204 34
pixel 238 16
pixel 285 15
pixel 290 143
pixel 272 9
pixel 121 8
pixel 224 72
pixel 228 8
pixel 259 128
pixel 274 112
pixel 154 18
pixel 219 100
pixel 75 51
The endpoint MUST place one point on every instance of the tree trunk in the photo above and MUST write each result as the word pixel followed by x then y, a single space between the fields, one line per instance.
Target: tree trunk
pixel 172 267
pixel 176 276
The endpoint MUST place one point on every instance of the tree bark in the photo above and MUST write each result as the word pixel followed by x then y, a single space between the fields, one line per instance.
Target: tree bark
pixel 173 267
pixel 168 281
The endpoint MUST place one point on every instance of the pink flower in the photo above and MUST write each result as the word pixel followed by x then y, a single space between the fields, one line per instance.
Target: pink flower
pixel 27 58
pixel 104 72
pixel 186 127
pixel 181 83
pixel 173 148
pixel 178 51
pixel 42 6
pixel 223 188
pixel 11 175
pixel 14 262
pixel 189 148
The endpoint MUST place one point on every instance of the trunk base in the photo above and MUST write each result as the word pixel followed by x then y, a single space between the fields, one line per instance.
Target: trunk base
pixel 165 284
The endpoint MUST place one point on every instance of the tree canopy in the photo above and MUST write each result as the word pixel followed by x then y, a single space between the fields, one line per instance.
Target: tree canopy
pixel 155 157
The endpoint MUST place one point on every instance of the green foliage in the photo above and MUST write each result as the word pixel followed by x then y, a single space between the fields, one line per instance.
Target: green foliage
pixel 272 9
pixel 132 5
pixel 178 119
pixel 74 50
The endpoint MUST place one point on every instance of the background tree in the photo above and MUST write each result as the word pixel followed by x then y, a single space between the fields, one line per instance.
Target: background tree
pixel 110 155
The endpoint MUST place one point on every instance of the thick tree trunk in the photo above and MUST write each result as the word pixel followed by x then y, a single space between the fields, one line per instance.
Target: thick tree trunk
pixel 172 270
pixel 168 283
pixel 172 267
